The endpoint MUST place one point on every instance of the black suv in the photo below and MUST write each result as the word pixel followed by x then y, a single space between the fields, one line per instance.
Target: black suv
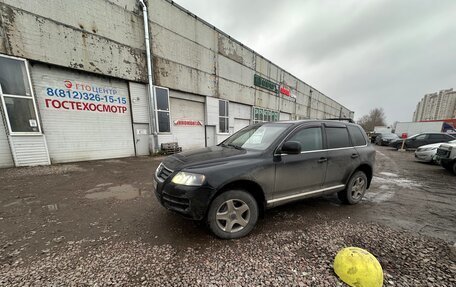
pixel 262 166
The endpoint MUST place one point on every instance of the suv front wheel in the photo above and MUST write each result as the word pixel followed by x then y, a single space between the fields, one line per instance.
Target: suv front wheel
pixel 232 214
pixel 355 189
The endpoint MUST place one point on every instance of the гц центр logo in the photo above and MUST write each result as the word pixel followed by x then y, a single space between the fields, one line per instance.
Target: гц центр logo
pixel 68 84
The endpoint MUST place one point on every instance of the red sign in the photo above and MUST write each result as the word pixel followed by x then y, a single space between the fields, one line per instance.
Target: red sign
pixel 187 123
pixel 85 106
pixel 404 135
pixel 285 91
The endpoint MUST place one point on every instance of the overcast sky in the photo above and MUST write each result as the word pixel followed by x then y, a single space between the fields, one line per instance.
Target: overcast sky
pixel 364 54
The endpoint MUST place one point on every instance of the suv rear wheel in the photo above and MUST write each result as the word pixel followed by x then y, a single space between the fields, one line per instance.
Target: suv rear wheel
pixel 232 214
pixel 355 190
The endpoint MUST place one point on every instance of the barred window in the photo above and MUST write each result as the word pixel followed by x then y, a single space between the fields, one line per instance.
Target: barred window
pixel 223 117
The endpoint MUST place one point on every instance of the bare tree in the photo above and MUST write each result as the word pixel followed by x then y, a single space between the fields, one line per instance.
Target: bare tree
pixel 376 117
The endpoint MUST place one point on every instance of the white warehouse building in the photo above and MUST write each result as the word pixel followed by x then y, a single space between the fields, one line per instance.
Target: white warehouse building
pixel 74 82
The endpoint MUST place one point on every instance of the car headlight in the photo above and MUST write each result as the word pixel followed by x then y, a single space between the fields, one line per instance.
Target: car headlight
pixel 187 178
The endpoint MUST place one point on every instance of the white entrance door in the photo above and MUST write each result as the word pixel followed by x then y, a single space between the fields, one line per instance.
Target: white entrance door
pixel 210 136
pixel 141 138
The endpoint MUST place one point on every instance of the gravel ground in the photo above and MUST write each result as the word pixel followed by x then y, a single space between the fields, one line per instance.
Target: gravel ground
pixel 286 258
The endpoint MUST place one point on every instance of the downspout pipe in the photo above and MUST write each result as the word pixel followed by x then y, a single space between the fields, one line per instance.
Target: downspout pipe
pixel 154 124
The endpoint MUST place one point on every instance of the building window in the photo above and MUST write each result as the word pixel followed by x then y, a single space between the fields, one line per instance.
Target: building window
pixel 163 118
pixel 223 117
pixel 17 97
pixel 261 115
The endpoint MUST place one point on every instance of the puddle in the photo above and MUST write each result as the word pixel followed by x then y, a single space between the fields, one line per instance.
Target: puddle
pixel 121 192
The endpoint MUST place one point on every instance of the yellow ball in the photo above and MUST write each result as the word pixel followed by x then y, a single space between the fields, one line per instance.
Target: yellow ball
pixel 358 268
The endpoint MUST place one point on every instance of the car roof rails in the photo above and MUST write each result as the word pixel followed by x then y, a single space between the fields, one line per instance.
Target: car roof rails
pixel 342 120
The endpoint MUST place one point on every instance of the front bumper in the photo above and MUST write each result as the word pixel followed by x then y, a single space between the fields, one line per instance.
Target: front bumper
pixel 190 201
pixel 425 156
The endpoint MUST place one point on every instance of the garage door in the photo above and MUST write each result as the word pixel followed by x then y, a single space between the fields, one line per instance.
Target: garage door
pixel 187 121
pixel 84 117
pixel 6 159
pixel 285 117
pixel 239 124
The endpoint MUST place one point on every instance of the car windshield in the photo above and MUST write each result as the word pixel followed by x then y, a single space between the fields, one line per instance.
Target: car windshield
pixel 258 137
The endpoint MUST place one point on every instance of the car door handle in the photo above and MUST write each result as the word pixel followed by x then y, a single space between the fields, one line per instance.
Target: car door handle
pixel 322 159
pixel 355 155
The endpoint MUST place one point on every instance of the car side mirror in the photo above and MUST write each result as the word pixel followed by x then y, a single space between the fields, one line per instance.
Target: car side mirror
pixel 291 147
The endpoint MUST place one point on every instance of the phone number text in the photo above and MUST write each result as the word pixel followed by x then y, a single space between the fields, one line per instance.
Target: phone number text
pixel 76 95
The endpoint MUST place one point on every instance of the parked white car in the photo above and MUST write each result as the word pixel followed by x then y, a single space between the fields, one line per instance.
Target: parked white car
pixel 427 153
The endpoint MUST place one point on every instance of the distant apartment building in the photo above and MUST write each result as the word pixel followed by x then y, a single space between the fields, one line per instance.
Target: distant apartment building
pixel 436 106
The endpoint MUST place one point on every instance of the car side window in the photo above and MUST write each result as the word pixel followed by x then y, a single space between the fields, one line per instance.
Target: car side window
pixel 309 138
pixel 337 137
pixel 421 137
pixel 357 136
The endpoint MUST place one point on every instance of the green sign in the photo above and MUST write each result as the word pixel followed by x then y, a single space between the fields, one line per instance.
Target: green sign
pixel 265 84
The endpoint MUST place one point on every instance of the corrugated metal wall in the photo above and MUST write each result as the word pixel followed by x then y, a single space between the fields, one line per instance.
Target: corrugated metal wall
pixel 84 117
pixel 139 102
pixel 240 116
pixel 6 160
pixel 239 124
pixel 188 136
pixel 284 117
pixel 29 150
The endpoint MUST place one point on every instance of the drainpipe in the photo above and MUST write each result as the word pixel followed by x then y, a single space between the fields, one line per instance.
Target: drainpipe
pixel 154 124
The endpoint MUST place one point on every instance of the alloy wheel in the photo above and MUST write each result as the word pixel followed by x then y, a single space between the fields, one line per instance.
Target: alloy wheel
pixel 233 215
pixel 358 188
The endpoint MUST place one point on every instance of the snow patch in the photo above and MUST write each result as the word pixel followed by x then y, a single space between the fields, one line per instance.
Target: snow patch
pixel 389 174
pixel 378 197
pixel 401 182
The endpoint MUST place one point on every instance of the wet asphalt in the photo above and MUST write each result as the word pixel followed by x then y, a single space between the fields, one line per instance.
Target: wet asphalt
pixel 87 199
